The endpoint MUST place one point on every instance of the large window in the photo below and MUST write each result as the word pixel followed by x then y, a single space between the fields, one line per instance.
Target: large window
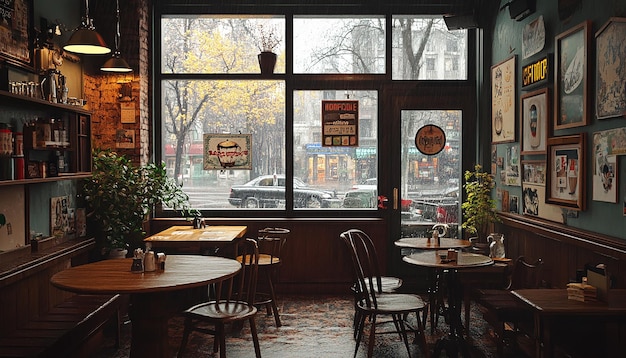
pixel 210 84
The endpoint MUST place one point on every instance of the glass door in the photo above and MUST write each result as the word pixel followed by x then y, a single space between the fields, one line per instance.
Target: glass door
pixel 433 133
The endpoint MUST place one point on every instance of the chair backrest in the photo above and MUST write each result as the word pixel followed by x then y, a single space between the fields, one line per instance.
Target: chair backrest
pixel 271 241
pixel 366 267
pixel 525 274
pixel 241 287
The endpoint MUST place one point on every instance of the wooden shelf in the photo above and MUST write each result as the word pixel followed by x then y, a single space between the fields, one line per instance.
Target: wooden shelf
pixel 64 176
pixel 43 104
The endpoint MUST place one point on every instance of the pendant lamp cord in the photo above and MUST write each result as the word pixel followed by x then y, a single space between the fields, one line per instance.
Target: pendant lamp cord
pixel 117 33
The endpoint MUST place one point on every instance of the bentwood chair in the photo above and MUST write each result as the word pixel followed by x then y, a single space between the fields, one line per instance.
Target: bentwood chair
pixel 271 241
pixel 234 302
pixel 373 302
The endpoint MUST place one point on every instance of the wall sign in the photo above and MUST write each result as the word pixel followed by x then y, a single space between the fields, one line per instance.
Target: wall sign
pixel 340 123
pixel 227 151
pixel 536 73
pixel 430 139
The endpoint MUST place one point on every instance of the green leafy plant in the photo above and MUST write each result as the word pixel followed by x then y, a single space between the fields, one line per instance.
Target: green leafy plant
pixel 479 208
pixel 120 196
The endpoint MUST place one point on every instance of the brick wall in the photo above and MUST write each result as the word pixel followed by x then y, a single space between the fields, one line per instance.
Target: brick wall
pixel 103 91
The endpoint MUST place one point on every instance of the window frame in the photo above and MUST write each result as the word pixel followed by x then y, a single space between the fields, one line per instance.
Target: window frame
pixel 381 83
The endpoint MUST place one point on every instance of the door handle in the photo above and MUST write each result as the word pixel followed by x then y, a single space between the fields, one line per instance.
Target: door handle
pixel 395 198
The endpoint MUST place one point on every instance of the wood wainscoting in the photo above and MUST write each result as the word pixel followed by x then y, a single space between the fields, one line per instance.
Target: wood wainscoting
pixel 563 248
pixel 315 260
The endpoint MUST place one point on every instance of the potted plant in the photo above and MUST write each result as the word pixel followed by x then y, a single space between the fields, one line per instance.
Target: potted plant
pixel 266 40
pixel 479 208
pixel 120 196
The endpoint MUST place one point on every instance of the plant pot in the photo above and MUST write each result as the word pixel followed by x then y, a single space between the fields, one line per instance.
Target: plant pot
pixel 267 62
pixel 117 253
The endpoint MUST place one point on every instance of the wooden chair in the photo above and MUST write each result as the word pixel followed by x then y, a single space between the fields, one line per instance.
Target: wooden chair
pixel 271 241
pixel 504 312
pixel 372 302
pixel 234 302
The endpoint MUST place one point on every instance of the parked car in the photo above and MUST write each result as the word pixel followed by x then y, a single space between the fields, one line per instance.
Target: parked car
pixel 268 191
pixel 371 183
pixel 360 198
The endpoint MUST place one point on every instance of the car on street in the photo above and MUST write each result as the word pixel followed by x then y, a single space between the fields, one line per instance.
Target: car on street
pixel 371 183
pixel 268 191
pixel 360 198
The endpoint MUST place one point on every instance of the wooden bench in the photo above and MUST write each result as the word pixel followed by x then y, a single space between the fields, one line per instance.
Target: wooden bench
pixel 66 330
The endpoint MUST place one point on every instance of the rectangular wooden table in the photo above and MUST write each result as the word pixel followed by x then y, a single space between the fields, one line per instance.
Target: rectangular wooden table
pixel 213 236
pixel 551 306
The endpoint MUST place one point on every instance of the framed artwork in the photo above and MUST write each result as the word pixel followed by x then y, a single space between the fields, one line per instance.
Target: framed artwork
pixel 534 203
pixel 605 179
pixel 571 100
pixel 514 204
pixel 503 77
pixel 533 37
pixel 512 173
pixel 534 116
pixel 60 223
pixel 566 167
pixel 227 151
pixel 534 172
pixel 15 24
pixel 610 70
pixel 125 138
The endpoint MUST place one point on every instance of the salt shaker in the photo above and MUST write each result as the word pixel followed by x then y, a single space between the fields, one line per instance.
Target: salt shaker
pixel 149 263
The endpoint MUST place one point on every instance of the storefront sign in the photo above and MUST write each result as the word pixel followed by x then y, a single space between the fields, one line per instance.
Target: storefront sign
pixel 430 139
pixel 340 123
pixel 536 72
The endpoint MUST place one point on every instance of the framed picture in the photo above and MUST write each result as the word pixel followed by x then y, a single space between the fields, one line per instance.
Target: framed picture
pixel 534 172
pixel 503 77
pixel 514 204
pixel 125 138
pixel 571 100
pixel 15 25
pixel 610 71
pixel 227 151
pixel 566 167
pixel 534 116
pixel 512 173
pixel 605 179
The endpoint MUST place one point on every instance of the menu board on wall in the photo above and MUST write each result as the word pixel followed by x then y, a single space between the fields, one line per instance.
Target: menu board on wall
pixel 14 25
pixel 340 123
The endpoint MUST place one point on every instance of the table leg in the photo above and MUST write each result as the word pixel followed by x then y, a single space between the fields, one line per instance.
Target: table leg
pixel 149 314
pixel 454 343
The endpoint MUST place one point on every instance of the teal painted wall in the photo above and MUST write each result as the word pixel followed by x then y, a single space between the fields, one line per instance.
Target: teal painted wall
pixel 601 217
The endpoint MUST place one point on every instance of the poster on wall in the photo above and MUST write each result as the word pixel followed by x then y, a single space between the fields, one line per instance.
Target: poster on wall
pixel 533 37
pixel 610 69
pixel 227 151
pixel 340 123
pixel 61 222
pixel 125 138
pixel 605 163
pixel 14 29
pixel 503 77
pixel 512 173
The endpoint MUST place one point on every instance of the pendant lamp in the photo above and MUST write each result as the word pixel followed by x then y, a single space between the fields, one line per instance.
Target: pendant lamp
pixel 85 40
pixel 116 63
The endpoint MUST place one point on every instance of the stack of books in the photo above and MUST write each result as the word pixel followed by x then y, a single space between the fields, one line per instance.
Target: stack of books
pixel 581 292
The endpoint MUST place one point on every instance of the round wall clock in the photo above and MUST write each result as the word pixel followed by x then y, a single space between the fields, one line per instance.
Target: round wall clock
pixel 430 139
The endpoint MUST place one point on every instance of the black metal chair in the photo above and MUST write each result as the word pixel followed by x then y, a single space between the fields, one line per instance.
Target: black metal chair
pixel 372 302
pixel 234 302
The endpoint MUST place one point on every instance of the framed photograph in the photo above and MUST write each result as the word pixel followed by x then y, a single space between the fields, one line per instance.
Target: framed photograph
pixel 610 71
pixel 227 151
pixel 15 25
pixel 565 185
pixel 571 100
pixel 503 77
pixel 60 222
pixel 125 138
pixel 534 172
pixel 512 173
pixel 534 117
pixel 514 204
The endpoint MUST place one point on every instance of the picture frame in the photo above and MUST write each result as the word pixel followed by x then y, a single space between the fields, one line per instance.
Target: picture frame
pixel 534 172
pixel 503 110
pixel 610 72
pixel 534 117
pixel 227 151
pixel 565 184
pixel 571 77
pixel 605 179
pixel 16 20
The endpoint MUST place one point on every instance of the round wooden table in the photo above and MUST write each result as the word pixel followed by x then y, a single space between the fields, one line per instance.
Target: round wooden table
pixel 426 243
pixel 434 259
pixel 152 301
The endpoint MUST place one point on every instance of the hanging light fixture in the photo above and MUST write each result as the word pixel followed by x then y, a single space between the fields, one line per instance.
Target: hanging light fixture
pixel 116 63
pixel 85 40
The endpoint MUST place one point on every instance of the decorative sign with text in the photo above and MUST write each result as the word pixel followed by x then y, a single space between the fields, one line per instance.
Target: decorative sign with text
pixel 536 73
pixel 340 123
pixel 430 139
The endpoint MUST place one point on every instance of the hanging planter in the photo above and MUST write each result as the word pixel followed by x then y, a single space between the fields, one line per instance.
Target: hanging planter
pixel 267 62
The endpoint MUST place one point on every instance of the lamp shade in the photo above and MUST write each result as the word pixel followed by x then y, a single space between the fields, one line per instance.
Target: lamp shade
pixel 87 41
pixel 116 64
